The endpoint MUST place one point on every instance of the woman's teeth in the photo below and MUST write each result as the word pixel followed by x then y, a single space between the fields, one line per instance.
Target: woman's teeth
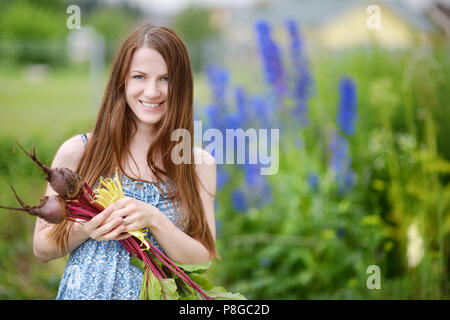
pixel 150 105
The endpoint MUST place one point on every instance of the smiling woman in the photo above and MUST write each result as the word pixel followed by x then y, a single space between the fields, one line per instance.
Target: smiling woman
pixel 148 96
pixel 147 85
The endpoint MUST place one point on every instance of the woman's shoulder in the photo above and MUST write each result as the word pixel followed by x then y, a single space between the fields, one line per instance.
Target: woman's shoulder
pixel 69 153
pixel 203 157
pixel 206 169
pixel 74 143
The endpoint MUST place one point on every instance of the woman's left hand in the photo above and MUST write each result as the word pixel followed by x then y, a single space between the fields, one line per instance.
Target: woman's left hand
pixel 136 214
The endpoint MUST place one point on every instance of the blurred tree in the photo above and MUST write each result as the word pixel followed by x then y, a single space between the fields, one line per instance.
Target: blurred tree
pixel 33 32
pixel 28 19
pixel 113 23
pixel 193 25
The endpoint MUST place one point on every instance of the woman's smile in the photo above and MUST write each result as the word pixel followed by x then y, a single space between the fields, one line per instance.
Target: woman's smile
pixel 152 106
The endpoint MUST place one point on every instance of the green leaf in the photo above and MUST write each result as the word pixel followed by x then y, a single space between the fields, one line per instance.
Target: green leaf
pixel 155 288
pixel 202 280
pixel 191 297
pixel 185 290
pixel 137 263
pixel 199 268
pixel 170 289
pixel 152 290
pixel 142 293
pixel 220 293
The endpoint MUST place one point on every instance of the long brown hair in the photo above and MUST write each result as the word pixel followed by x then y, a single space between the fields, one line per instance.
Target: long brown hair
pixel 116 125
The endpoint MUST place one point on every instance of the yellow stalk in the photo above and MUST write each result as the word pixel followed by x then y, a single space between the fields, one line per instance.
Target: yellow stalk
pixel 109 191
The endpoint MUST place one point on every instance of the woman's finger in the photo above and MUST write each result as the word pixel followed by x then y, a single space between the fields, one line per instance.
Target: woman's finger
pixel 99 218
pixel 123 236
pixel 114 233
pixel 99 233
pixel 119 213
pixel 132 226
pixel 119 204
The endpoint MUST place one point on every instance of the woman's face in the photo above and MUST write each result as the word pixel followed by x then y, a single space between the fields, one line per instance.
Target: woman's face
pixel 147 85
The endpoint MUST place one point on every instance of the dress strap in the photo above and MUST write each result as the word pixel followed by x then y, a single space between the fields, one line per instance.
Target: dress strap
pixel 84 138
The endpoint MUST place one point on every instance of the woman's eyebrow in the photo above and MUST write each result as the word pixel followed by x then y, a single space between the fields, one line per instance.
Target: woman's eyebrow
pixel 138 71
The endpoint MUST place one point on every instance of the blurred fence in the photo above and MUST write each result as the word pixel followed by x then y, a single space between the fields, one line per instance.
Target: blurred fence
pixel 63 52
pixel 52 52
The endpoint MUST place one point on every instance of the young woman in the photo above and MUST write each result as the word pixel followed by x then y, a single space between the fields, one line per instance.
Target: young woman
pixel 149 95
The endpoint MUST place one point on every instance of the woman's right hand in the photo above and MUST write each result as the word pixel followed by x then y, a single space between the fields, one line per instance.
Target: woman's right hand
pixel 98 229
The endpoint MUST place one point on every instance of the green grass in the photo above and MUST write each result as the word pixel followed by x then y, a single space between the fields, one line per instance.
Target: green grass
pixel 49 107
pixel 58 106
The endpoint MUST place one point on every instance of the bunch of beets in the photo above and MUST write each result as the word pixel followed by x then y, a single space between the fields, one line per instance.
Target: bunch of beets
pixel 75 200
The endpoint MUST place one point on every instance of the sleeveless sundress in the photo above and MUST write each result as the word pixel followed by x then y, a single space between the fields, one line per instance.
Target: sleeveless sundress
pixel 101 270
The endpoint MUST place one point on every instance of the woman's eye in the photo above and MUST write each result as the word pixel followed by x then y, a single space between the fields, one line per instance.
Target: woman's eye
pixel 138 76
pixel 165 79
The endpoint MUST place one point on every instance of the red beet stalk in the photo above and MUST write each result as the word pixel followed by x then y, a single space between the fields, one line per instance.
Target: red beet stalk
pixel 83 207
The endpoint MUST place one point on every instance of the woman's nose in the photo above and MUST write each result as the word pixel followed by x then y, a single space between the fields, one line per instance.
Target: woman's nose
pixel 152 91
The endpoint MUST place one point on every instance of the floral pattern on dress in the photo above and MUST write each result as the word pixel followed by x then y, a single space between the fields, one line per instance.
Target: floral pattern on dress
pixel 101 270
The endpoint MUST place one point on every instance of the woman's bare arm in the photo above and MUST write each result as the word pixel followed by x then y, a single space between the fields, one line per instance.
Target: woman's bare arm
pixel 67 156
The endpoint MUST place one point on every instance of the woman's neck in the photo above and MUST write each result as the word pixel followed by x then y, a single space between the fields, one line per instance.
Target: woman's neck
pixel 139 145
pixel 143 138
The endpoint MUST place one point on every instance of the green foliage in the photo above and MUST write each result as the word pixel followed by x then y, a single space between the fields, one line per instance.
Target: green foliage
pixel 112 23
pixel 309 243
pixel 25 21
pixel 193 25
pixel 25 24
pixel 22 276
pixel 315 243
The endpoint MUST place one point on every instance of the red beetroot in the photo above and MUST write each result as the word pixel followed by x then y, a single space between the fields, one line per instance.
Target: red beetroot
pixel 51 208
pixel 64 181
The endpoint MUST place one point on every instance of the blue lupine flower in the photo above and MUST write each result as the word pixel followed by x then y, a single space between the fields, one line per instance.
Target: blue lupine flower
pixel 241 112
pixel 215 116
pixel 222 177
pixel 340 232
pixel 338 147
pixel 239 201
pixel 271 58
pixel 302 77
pixel 346 181
pixel 262 111
pixel 313 181
pixel 340 161
pixel 346 116
pixel 231 121
pixel 259 192
pixel 251 175
pixel 265 262
pixel 218 81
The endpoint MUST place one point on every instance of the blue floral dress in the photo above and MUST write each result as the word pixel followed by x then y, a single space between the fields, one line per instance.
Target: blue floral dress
pixel 101 270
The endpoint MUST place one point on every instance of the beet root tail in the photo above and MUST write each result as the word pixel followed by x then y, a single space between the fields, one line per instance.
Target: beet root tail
pixel 24 206
pixel 34 158
pixel 11 208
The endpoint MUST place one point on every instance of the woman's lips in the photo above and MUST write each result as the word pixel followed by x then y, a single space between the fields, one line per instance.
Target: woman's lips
pixel 151 106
